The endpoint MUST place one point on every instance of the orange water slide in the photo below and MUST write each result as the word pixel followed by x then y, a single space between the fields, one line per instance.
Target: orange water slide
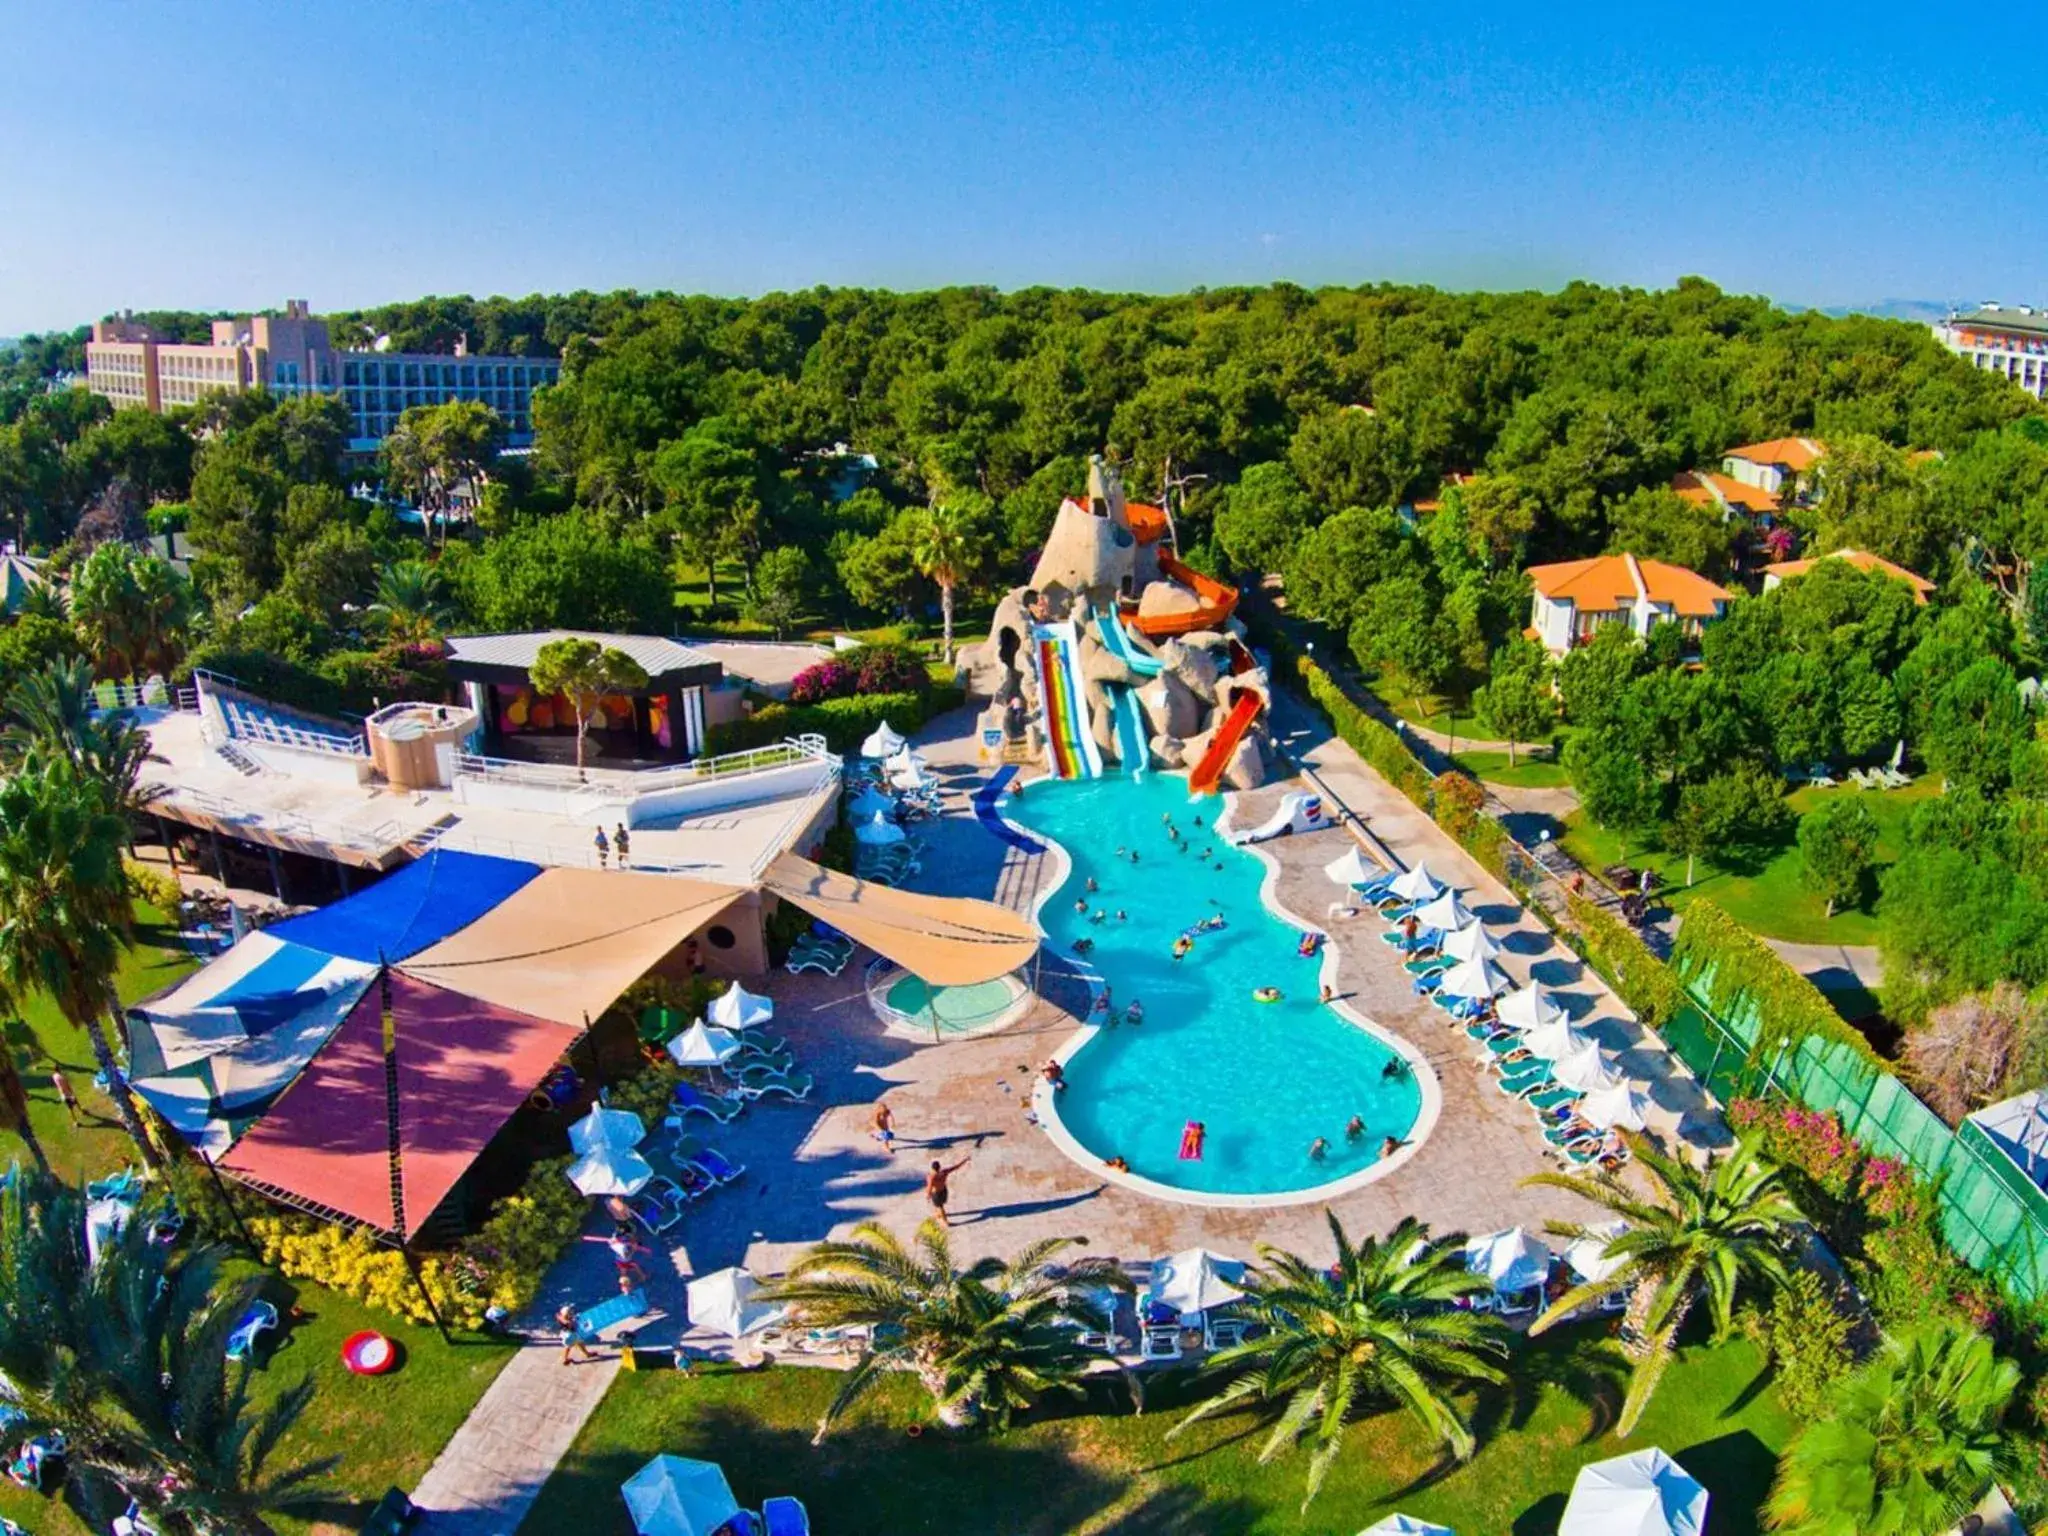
pixel 1210 769
pixel 1218 601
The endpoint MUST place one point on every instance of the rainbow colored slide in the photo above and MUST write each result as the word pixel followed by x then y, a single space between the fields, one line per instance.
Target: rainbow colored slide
pixel 1209 771
pixel 1070 750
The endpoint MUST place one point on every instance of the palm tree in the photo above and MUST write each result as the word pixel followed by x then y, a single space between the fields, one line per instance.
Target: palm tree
pixel 984 1341
pixel 1701 1232
pixel 1381 1325
pixel 64 905
pixel 54 708
pixel 948 549
pixel 412 600
pixel 1911 1442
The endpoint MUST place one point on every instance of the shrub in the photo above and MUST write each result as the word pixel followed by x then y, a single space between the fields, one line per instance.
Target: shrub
pixel 1806 1337
pixel 155 886
pixel 882 667
pixel 1808 1142
pixel 831 678
pixel 1614 949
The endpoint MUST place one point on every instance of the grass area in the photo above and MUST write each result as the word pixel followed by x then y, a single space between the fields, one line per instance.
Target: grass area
pixel 1771 900
pixel 1449 716
pixel 1101 1470
pixel 1529 770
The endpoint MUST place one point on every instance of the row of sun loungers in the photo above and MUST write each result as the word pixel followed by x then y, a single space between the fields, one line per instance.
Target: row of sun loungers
pixel 821 948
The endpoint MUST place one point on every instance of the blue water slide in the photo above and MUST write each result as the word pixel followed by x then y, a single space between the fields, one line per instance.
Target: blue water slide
pixel 985 811
pixel 1130 730
pixel 1117 640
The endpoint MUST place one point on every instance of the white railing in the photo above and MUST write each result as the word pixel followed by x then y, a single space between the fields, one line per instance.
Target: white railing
pixel 631 783
pixel 272 733
pixel 799 813
pixel 378 839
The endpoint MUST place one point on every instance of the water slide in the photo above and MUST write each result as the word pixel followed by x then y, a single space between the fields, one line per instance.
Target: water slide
pixel 1217 602
pixel 1118 644
pixel 1297 813
pixel 1069 749
pixel 985 811
pixel 1130 730
pixel 1209 771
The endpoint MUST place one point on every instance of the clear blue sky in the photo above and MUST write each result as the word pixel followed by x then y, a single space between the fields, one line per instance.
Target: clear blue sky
pixel 235 154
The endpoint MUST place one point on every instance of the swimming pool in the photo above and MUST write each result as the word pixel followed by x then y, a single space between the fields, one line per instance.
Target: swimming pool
pixel 1265 1079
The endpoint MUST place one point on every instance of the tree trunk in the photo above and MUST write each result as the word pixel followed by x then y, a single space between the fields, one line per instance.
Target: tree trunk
pixel 1511 751
pixel 117 1084
pixel 1688 869
pixel 946 617
pixel 1636 1342
pixel 14 1098
pixel 582 725
pixel 1831 906
pixel 711 590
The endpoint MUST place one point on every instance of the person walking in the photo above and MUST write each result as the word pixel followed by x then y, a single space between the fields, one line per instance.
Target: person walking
pixel 61 1086
pixel 603 848
pixel 938 1187
pixel 620 842
pixel 573 1341
pixel 885 1128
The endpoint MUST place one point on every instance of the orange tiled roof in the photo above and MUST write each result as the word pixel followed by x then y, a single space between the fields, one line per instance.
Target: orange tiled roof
pixel 1607 583
pixel 1863 560
pixel 1798 454
pixel 1700 485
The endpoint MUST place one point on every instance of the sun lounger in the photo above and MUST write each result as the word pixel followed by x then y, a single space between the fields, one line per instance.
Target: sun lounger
pixel 1548 1099
pixel 1161 1343
pixel 758 1067
pixel 784 1517
pixel 259 1319
pixel 715 1163
pixel 653 1213
pixel 610 1312
pixel 795 1087
pixel 1222 1332
pixel 687 1100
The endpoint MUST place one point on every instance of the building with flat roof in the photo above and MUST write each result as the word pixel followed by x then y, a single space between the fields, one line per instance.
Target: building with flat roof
pixel 1574 598
pixel 291 354
pixel 2011 339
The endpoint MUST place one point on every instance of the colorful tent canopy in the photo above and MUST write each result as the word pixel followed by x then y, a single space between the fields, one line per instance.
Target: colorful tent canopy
pixel 949 941
pixel 463 1068
pixel 566 944
pixel 261 984
pixel 406 912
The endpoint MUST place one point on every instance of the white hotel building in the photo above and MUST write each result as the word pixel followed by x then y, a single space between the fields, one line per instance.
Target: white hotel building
pixel 2011 339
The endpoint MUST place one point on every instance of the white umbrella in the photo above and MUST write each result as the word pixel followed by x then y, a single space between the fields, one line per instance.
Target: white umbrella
pixel 675 1496
pixel 904 760
pixel 878 829
pixel 1587 1257
pixel 737 1008
pixel 723 1302
pixel 1512 1259
pixel 606 1127
pixel 870 803
pixel 1474 978
pixel 1446 912
pixel 1584 1069
pixel 1642 1494
pixel 910 779
pixel 699 1046
pixel 1406 1525
pixel 1471 942
pixel 1416 884
pixel 1196 1280
pixel 1619 1108
pixel 1351 869
pixel 1526 1007
pixel 881 742
pixel 610 1171
pixel 1556 1040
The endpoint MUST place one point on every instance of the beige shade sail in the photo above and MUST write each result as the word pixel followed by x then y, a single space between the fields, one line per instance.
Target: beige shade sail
pixel 948 941
pixel 568 942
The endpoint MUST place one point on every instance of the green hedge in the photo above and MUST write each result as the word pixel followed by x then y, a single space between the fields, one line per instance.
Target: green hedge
pixel 1649 986
pixel 1371 740
pixel 1735 964
pixel 844 723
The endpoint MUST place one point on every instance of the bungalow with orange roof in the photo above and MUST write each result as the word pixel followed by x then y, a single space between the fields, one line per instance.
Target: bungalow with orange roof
pixel 1782 467
pixel 1862 559
pixel 1734 497
pixel 1576 597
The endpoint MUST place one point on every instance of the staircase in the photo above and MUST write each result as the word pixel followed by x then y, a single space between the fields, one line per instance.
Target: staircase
pixel 237 759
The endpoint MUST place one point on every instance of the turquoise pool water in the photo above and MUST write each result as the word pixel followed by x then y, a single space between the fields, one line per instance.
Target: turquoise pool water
pixel 1265 1078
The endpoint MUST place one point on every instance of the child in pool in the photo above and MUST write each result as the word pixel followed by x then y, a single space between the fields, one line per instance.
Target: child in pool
pixel 1317 1149
pixel 1181 946
pixel 1092 886
pixel 1355 1129
pixel 1135 1012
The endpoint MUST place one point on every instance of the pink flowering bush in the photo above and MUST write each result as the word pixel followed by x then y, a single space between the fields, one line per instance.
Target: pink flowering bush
pixel 866 670
pixel 1809 1142
pixel 828 679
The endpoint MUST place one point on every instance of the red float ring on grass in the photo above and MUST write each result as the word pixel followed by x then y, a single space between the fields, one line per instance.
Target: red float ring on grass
pixel 369 1353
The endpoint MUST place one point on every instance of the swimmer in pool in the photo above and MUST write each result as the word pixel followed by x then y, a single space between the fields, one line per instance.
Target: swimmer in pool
pixel 1082 946
pixel 1134 855
pixel 1135 1013
pixel 1181 946
pixel 1391 1145
pixel 1329 996
pixel 1317 1148
pixel 1092 886
pixel 1267 994
pixel 1119 850
pixel 1355 1129
pixel 1198 818
pixel 1393 1069
pixel 1118 1163
pixel 1122 916
pixel 1080 905
pixel 1098 915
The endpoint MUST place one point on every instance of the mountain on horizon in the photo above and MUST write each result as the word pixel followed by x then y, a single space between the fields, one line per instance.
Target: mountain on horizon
pixel 1926 311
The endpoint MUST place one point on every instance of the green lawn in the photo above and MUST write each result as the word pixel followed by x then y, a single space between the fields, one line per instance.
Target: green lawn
pixel 1102 1471
pixel 1529 770
pixel 1773 900
pixel 1450 716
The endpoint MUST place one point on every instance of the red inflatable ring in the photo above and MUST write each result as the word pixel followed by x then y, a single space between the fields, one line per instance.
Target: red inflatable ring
pixel 369 1353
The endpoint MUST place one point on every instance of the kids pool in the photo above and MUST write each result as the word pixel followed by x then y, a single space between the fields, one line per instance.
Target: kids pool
pixel 1265 1079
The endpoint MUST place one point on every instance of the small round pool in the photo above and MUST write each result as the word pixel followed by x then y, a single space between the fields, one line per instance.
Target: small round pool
pixel 911 1008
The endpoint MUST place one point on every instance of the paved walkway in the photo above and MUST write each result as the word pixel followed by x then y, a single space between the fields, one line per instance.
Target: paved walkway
pixel 1833 967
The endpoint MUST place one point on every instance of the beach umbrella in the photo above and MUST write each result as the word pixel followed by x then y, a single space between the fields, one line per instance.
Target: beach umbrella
pixel 606 1127
pixel 869 804
pixel 1416 884
pixel 1616 1108
pixel 1513 1259
pixel 737 1008
pixel 878 829
pixel 882 742
pixel 1586 1257
pixel 1527 1007
pixel 905 761
pixel 1446 913
pixel 1585 1069
pixel 676 1496
pixel 1196 1280
pixel 1557 1040
pixel 1645 1493
pixel 1474 978
pixel 910 779
pixel 723 1302
pixel 1406 1525
pixel 700 1046
pixel 1471 942
pixel 1351 869
pixel 610 1171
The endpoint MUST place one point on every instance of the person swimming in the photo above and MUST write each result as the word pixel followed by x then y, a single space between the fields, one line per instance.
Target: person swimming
pixel 1317 1149
pixel 1267 995
pixel 1198 818
pixel 1101 1004
pixel 1092 886
pixel 1394 1068
pixel 1355 1129
pixel 1120 1165
pixel 1122 916
pixel 1099 915
pixel 1082 946
pixel 1192 1135
pixel 1181 946
pixel 1134 855
pixel 1134 1012
pixel 1080 905
pixel 1391 1145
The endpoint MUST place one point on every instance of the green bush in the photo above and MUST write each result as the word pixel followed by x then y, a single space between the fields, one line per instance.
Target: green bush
pixel 160 889
pixel 1615 950
pixel 1736 965
pixel 1806 1337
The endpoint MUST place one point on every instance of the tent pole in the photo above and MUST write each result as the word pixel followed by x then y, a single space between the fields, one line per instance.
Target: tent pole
pixel 221 1187
pixel 931 1006
pixel 392 1141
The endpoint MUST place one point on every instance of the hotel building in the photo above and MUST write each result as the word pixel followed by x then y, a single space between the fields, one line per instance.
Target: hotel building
pixel 2007 339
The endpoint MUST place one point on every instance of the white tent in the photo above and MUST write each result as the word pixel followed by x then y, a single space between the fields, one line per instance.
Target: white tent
pixel 1526 1007
pixel 1645 1493
pixel 1351 869
pixel 723 1302
pixel 1586 1257
pixel 675 1496
pixel 869 804
pixel 1514 1259
pixel 1406 1525
pixel 606 1127
pixel 1446 913
pixel 1585 1069
pixel 910 779
pixel 1416 884
pixel 1471 942
pixel 702 1046
pixel 1619 1108
pixel 1474 978
pixel 1196 1280
pixel 610 1171
pixel 1556 1040
pixel 882 742
pixel 737 1008
pixel 878 829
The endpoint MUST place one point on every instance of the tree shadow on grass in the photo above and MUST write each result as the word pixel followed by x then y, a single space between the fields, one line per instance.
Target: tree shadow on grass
pixel 1736 1470
pixel 1540 1518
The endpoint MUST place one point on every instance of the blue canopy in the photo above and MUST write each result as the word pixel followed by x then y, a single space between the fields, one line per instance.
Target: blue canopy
pixel 406 912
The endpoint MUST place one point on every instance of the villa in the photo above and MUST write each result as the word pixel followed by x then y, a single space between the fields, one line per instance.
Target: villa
pixel 1863 560
pixel 1782 467
pixel 1574 598
pixel 1704 487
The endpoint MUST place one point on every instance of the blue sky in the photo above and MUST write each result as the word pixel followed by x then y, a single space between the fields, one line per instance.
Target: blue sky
pixel 229 154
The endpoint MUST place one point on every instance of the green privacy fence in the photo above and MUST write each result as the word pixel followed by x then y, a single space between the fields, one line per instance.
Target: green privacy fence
pixel 1994 1217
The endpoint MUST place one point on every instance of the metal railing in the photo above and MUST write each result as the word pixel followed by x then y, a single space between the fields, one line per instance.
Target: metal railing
pixel 378 839
pixel 631 783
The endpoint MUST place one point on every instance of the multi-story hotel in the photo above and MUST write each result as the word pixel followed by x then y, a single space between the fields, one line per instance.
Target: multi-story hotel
pixel 2011 339
pixel 290 354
